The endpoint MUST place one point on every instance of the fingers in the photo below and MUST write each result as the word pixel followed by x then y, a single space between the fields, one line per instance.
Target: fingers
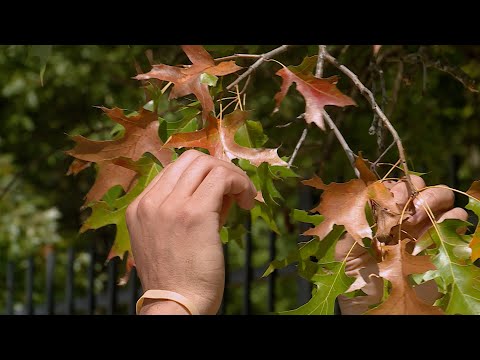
pixel 158 190
pixel 221 182
pixel 437 199
pixel 455 213
pixel 400 192
pixel 196 172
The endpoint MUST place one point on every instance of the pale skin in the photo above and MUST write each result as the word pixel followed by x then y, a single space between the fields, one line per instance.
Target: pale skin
pixel 174 226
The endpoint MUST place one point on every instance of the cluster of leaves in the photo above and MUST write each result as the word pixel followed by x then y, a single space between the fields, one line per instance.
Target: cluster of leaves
pixel 145 141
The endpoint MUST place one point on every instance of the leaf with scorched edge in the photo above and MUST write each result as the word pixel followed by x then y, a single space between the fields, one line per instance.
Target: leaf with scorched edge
pixel 140 137
pixel 317 92
pixel 218 139
pixel 458 275
pixel 387 211
pixel 330 281
pixel 397 265
pixel 104 214
pixel 366 174
pixel 188 80
pixel 474 205
pixel 341 204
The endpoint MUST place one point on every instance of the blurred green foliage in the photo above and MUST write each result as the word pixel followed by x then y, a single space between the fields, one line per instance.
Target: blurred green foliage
pixel 435 114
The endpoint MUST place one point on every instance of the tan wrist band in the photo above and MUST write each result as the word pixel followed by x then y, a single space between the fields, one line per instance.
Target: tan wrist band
pixel 168 295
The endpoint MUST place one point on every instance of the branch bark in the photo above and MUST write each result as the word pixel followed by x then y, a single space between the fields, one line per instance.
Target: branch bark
pixel 322 50
pixel 375 108
pixel 299 144
pixel 256 64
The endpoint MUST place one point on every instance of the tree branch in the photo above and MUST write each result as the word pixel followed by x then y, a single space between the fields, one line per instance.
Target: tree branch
pixel 257 63
pixel 322 50
pixel 299 144
pixel 235 56
pixel 369 96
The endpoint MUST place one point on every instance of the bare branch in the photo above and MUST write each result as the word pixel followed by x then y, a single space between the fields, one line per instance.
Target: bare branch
pixel 299 144
pixel 342 141
pixel 235 56
pixel 321 56
pixel 257 63
pixel 369 96
pixel 322 50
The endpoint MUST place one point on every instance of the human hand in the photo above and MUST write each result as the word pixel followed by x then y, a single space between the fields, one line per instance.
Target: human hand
pixel 174 229
pixel 440 201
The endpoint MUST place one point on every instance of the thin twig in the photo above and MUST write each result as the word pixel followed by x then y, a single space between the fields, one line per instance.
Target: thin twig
pixel 299 144
pixel 322 50
pixel 341 140
pixel 234 56
pixel 375 163
pixel 257 63
pixel 369 96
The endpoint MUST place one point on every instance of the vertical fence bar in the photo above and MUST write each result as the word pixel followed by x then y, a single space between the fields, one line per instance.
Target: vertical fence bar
pixel 306 203
pixel 272 277
pixel 112 287
pixel 91 280
pixel 248 267
pixel 223 305
pixel 69 305
pixel 133 292
pixel 10 286
pixel 29 287
pixel 49 285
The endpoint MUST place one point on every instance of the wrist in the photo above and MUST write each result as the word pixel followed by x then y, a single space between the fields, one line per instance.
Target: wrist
pixel 162 307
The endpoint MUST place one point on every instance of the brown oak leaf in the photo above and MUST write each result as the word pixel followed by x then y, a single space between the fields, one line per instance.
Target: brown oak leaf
pixel 140 137
pixel 396 267
pixel 317 92
pixel 341 204
pixel 186 80
pixel 386 210
pixel 366 174
pixel 218 138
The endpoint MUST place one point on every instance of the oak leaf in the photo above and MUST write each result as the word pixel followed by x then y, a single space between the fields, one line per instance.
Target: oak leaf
pixel 456 275
pixel 187 80
pixel 140 136
pixel 218 138
pixel 113 212
pixel 317 92
pixel 474 205
pixel 396 267
pixel 341 204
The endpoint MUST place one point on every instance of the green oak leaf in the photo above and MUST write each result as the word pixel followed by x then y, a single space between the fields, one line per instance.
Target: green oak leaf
pixel 112 211
pixel 185 121
pixel 305 217
pixel 329 279
pixel 236 234
pixel 322 251
pixel 455 274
